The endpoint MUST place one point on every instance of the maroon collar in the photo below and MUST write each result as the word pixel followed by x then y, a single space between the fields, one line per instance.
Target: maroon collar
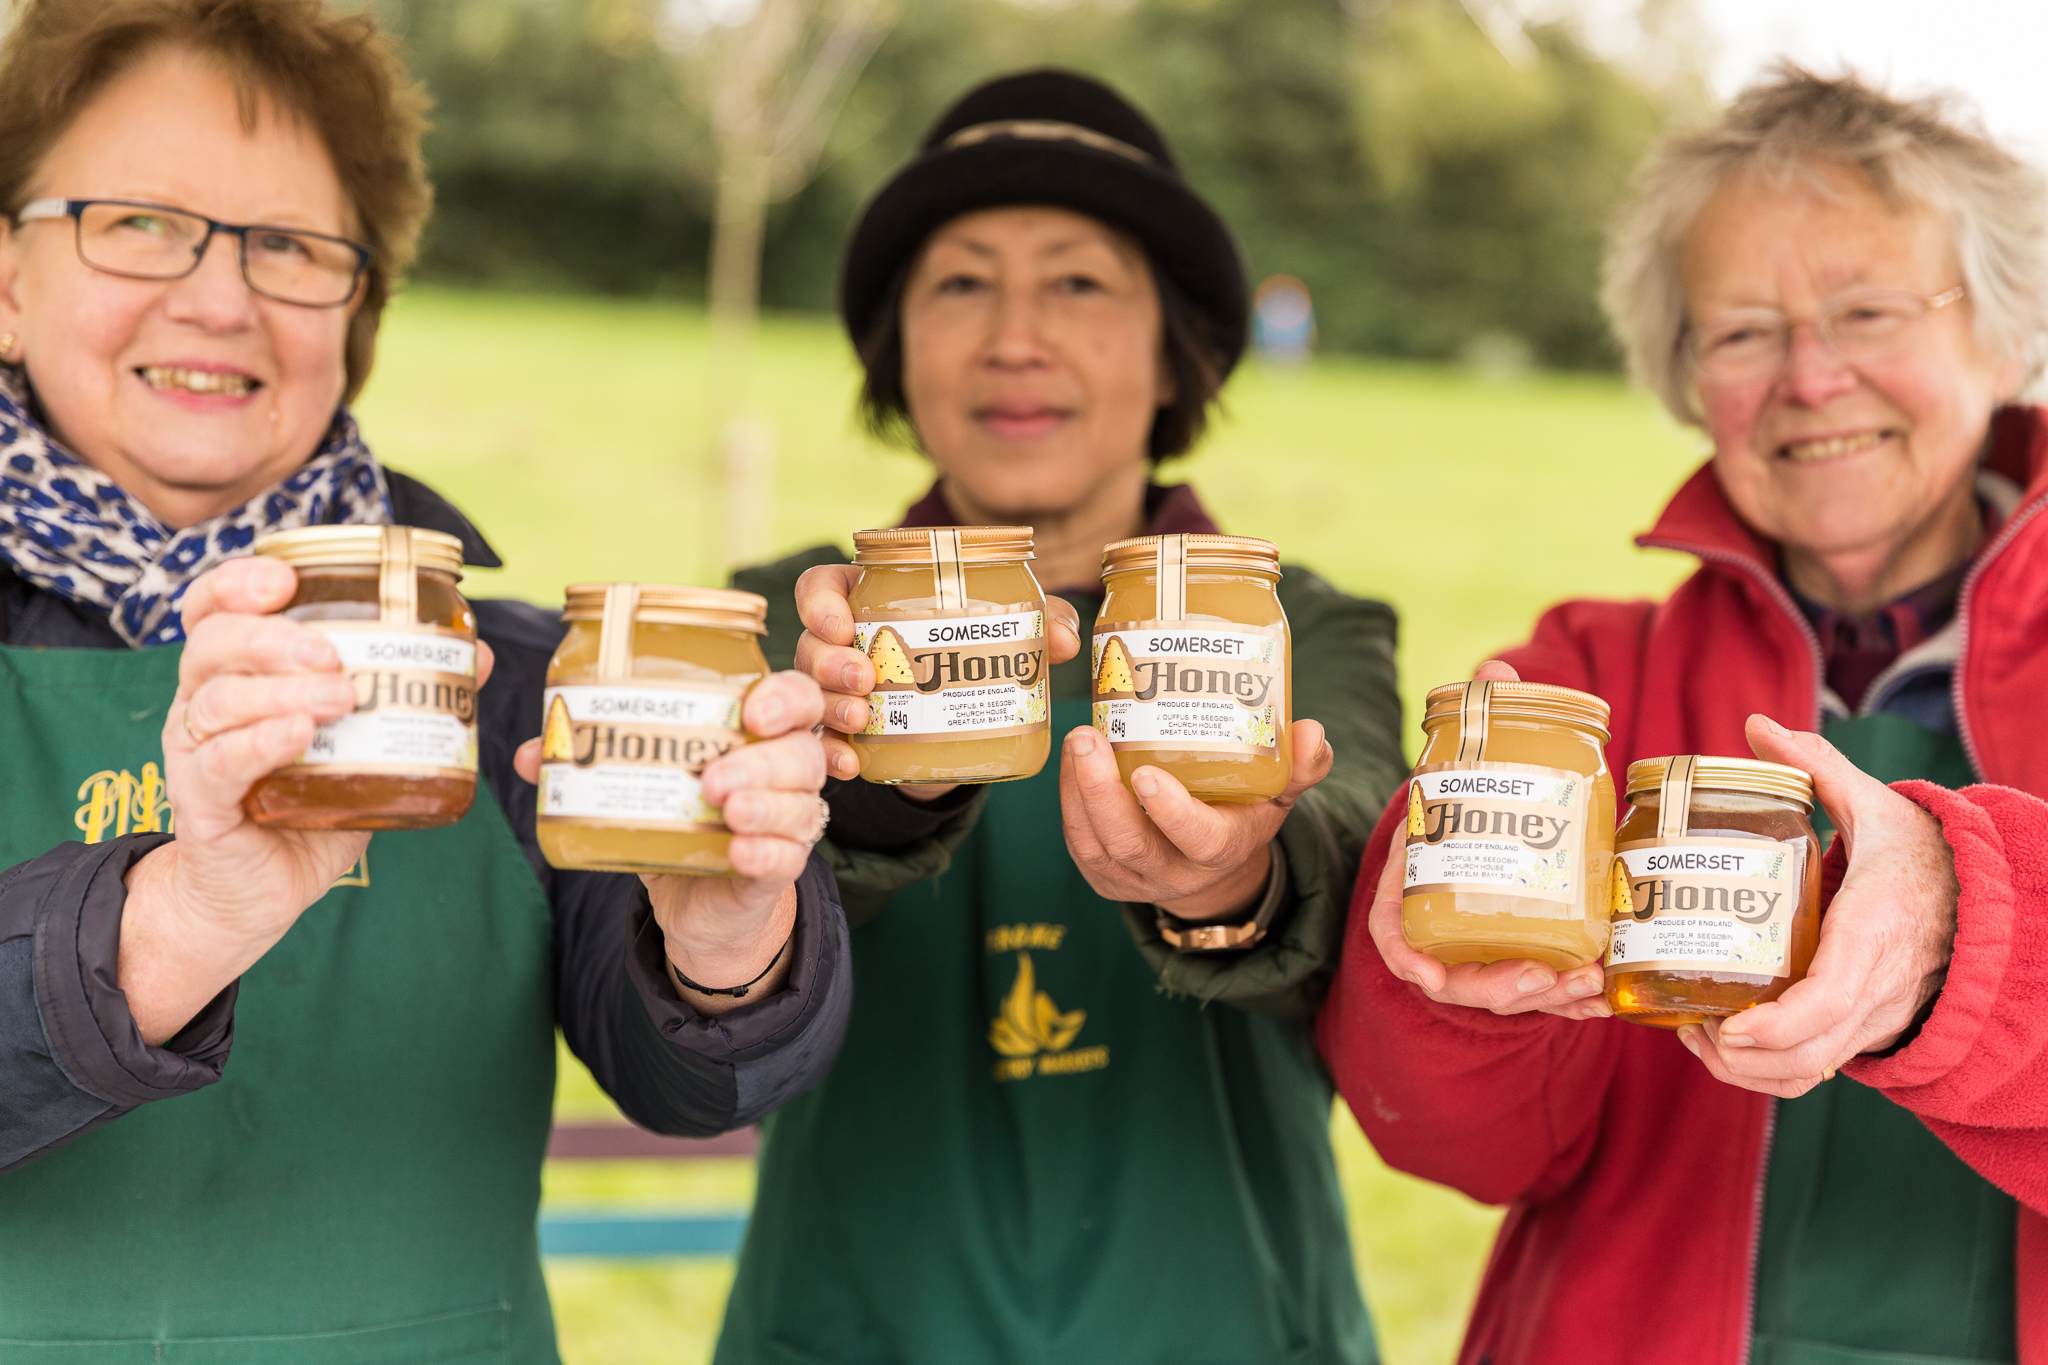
pixel 1170 510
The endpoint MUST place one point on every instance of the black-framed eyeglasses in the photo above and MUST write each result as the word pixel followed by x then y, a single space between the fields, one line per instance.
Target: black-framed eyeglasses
pixel 143 241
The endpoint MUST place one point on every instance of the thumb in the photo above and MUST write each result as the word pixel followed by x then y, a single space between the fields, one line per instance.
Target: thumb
pixel 1841 787
pixel 1493 670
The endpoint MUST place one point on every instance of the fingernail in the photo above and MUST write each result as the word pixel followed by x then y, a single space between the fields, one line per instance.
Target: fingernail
pixel 844 712
pixel 1774 727
pixel 848 766
pixel 1690 1036
pixel 1730 1038
pixel 849 678
pixel 1081 743
pixel 335 692
pixel 1535 980
pixel 771 712
pixel 313 653
pixel 1146 786
pixel 1585 986
pixel 830 626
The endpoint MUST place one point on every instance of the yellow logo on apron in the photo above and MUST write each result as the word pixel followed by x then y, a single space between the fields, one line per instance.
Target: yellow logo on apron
pixel 114 802
pixel 1032 1034
pixel 118 802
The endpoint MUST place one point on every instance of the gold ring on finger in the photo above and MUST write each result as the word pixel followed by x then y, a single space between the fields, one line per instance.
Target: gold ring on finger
pixel 185 719
pixel 1827 1073
pixel 824 819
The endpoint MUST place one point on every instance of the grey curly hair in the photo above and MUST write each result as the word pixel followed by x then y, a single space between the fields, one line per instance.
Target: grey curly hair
pixel 1930 154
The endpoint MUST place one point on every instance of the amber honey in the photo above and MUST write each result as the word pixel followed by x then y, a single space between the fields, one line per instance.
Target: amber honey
pixel 1716 908
pixel 644 691
pixel 386 598
pixel 1510 826
pixel 953 621
pixel 1192 664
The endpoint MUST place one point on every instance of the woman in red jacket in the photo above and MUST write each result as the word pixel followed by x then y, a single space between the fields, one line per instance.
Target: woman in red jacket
pixel 1847 292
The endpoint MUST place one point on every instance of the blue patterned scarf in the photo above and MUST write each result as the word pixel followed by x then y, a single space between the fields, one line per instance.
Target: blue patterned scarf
pixel 67 527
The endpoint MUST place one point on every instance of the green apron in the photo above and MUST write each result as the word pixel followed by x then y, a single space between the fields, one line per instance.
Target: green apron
pixel 1029 1154
pixel 361 1186
pixel 1880 1246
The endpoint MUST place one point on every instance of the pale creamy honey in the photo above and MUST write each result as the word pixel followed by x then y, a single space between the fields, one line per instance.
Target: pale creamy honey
pixel 1510 830
pixel 643 692
pixel 954 623
pixel 1196 679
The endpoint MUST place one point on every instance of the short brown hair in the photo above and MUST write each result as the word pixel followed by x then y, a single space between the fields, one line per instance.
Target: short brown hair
pixel 338 72
pixel 1196 358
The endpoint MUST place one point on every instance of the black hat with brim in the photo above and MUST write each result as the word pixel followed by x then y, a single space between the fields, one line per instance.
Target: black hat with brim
pixel 1057 138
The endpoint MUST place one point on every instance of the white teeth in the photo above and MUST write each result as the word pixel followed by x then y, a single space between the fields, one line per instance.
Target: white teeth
pixel 1799 452
pixel 196 381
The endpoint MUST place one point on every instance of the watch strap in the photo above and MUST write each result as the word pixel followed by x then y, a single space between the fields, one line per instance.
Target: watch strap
pixel 1231 935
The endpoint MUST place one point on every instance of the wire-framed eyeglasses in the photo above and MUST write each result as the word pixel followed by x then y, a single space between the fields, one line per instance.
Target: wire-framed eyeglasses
pixel 144 241
pixel 1861 326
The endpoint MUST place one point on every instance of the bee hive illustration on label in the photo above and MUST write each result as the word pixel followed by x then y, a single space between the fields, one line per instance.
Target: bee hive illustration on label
pixel 557 740
pixel 1621 901
pixel 892 665
pixel 1415 810
pixel 1115 673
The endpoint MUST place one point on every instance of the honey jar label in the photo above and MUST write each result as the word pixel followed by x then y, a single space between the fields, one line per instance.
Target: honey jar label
pixel 632 755
pixel 1505 828
pixel 1170 684
pixel 415 703
pixel 956 677
pixel 1696 903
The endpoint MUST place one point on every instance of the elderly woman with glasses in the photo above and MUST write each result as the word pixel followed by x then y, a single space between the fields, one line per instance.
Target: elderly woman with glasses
pixel 1847 292
pixel 207 203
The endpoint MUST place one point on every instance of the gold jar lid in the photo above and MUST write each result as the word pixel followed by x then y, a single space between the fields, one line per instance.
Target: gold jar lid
pixel 670 604
pixel 1727 774
pixel 357 547
pixel 913 545
pixel 1204 552
pixel 1540 701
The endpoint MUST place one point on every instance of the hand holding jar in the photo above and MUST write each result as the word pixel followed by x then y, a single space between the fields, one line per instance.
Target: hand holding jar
pixel 253 687
pixel 1509 986
pixel 827 654
pixel 728 931
pixel 1884 946
pixel 1152 842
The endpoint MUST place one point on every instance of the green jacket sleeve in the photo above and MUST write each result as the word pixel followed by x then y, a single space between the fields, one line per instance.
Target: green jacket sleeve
pixel 866 879
pixel 1343 677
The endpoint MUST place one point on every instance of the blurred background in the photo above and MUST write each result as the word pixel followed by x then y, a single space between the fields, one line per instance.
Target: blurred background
pixel 617 355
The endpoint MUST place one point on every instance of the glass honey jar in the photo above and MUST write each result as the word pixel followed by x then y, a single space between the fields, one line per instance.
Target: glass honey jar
pixel 1510 826
pixel 1716 888
pixel 643 692
pixel 405 758
pixel 1192 664
pixel 954 623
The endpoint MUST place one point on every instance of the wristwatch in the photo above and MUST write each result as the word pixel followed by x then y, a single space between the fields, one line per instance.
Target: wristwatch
pixel 1232 935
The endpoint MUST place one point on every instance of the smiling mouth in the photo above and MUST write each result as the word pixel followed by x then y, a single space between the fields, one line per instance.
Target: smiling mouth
pixel 1833 447
pixel 171 377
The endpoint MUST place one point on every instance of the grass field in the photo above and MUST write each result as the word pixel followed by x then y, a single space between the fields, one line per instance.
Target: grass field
pixel 572 431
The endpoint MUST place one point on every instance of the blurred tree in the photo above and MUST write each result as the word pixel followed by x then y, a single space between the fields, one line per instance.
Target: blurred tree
pixel 1433 180
pixel 773 83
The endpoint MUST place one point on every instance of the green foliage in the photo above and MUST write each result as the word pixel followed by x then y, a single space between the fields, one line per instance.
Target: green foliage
pixel 1428 190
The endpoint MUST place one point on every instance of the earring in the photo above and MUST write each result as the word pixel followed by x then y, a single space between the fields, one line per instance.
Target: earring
pixel 6 346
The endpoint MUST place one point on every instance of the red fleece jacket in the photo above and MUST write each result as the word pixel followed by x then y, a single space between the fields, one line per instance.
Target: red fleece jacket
pixel 1635 1179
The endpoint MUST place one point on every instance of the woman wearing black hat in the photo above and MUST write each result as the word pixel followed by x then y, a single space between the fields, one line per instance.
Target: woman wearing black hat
pixel 1046 308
